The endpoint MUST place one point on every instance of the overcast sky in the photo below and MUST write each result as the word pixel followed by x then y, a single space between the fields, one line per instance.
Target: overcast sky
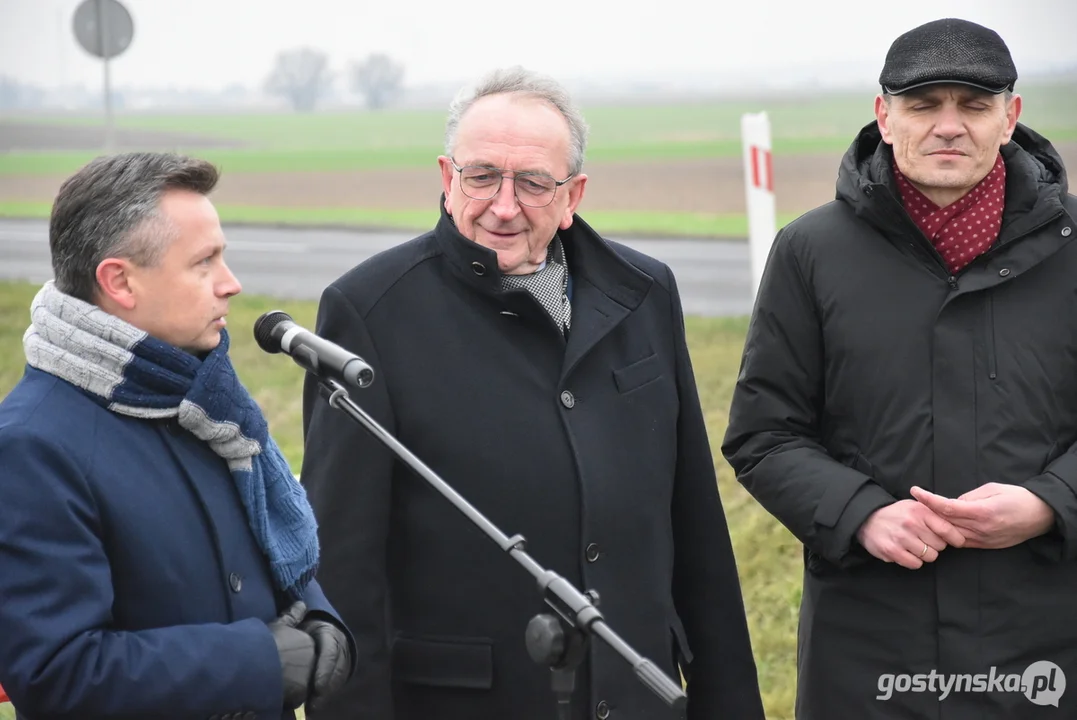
pixel 213 43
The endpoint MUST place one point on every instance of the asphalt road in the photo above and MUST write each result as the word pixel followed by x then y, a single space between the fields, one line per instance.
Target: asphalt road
pixel 713 275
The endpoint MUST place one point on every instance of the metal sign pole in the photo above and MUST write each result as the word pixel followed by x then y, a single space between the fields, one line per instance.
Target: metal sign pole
pixel 104 29
pixel 102 39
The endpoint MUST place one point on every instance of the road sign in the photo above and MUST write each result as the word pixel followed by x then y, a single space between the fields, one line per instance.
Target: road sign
pixel 104 29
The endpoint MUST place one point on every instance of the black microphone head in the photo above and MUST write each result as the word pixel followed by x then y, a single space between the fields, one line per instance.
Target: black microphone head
pixel 264 327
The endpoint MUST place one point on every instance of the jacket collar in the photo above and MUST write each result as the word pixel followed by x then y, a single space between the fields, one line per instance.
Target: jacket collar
pixel 591 259
pixel 1036 185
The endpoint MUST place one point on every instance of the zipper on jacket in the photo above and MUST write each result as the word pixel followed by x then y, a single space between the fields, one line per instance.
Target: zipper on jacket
pixel 989 338
pixel 920 244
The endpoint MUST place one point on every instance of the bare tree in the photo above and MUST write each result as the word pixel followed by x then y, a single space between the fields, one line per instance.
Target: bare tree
pixel 301 76
pixel 378 78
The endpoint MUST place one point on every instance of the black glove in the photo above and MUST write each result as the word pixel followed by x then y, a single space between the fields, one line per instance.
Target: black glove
pixel 296 650
pixel 333 666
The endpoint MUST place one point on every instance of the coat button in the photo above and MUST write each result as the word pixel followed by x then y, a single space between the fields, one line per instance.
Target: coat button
pixel 236 582
pixel 1066 231
pixel 567 399
pixel 602 710
pixel 592 552
pixel 1004 272
pixel 479 268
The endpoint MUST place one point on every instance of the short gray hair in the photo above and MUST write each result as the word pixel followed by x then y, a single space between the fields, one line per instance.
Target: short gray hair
pixel 110 208
pixel 525 82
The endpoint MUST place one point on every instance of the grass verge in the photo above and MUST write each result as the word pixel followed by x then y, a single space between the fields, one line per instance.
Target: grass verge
pixel 610 223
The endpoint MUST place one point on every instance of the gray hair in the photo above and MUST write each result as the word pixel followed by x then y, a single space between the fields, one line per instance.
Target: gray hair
pixel 525 82
pixel 110 209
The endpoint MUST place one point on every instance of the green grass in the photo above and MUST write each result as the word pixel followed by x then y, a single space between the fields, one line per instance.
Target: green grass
pixel 611 223
pixel 412 138
pixel 768 556
pixel 317 159
pixel 288 142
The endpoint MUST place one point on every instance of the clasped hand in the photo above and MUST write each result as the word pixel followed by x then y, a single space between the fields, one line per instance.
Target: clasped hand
pixel 314 654
pixel 993 516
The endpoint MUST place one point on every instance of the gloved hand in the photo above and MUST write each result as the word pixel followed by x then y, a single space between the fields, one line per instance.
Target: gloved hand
pixel 333 665
pixel 296 650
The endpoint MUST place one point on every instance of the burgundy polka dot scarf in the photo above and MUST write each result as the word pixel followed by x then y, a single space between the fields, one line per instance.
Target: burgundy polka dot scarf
pixel 964 229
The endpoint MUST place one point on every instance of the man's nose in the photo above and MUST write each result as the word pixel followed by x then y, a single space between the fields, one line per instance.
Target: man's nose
pixel 949 123
pixel 505 204
pixel 229 285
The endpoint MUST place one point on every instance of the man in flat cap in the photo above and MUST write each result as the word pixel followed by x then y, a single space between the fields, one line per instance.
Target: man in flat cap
pixel 907 402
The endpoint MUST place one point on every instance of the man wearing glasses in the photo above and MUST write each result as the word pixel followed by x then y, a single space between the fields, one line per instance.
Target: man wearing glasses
pixel 542 371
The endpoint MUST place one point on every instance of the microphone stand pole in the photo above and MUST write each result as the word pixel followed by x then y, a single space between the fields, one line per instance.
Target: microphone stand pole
pixel 557 641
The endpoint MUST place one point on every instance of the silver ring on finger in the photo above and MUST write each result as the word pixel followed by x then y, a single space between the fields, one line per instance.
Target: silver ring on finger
pixel 924 551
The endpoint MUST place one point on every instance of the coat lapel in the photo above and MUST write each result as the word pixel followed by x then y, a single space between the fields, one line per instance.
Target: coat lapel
pixel 605 289
pixel 594 315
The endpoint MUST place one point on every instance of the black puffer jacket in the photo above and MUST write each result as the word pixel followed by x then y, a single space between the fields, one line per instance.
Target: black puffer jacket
pixel 868 369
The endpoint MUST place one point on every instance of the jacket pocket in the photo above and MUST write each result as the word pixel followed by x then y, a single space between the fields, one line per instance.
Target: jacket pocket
pixel 989 336
pixel 444 662
pixel 638 373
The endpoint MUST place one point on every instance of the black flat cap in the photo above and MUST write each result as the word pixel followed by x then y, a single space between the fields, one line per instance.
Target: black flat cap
pixel 948 51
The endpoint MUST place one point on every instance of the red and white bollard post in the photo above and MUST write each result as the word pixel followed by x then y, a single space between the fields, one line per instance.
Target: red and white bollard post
pixel 759 186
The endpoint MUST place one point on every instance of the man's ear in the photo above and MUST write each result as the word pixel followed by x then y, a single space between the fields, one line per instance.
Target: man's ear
pixel 114 283
pixel 575 197
pixel 447 172
pixel 882 116
pixel 1013 114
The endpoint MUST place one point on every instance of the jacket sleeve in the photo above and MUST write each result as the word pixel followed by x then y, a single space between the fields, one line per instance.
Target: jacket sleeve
pixel 773 437
pixel 719 664
pixel 59 657
pixel 1057 486
pixel 319 607
pixel 347 474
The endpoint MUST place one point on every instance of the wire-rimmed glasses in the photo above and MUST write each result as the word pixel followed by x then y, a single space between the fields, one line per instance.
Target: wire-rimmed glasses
pixel 482 182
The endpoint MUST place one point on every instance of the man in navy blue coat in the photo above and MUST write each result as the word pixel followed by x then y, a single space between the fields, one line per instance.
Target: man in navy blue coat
pixel 157 556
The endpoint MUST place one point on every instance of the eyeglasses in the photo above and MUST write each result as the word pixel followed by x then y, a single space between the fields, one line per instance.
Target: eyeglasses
pixel 532 189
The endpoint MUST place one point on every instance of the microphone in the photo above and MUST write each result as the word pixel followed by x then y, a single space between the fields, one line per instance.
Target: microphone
pixel 276 332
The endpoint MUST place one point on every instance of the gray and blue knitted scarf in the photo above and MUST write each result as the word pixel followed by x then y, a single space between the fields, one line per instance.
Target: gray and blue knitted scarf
pixel 131 373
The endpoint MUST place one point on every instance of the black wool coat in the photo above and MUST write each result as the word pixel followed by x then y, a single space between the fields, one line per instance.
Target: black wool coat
pixel 593 448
